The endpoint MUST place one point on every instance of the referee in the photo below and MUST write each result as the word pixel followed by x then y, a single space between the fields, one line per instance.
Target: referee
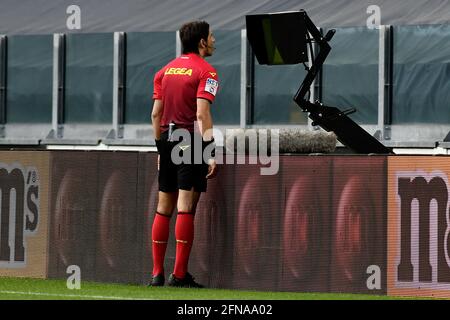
pixel 183 92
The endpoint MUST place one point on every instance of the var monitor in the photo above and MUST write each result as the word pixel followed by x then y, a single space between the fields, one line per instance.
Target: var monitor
pixel 278 38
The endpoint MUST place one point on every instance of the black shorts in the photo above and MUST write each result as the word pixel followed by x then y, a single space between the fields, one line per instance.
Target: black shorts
pixel 185 175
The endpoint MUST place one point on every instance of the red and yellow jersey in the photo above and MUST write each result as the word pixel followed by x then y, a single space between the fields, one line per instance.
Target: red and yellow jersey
pixel 179 84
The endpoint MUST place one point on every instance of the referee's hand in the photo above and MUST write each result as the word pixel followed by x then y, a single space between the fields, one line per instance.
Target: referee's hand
pixel 212 169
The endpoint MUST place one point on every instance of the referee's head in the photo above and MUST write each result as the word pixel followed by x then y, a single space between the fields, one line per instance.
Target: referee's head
pixel 191 33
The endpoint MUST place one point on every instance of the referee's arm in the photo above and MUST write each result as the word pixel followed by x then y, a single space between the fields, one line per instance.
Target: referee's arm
pixel 204 119
pixel 157 112
pixel 205 124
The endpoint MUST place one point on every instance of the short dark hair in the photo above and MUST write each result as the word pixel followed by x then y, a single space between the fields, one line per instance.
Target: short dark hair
pixel 191 33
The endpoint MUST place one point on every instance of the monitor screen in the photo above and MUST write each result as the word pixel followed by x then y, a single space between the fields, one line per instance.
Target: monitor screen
pixel 278 38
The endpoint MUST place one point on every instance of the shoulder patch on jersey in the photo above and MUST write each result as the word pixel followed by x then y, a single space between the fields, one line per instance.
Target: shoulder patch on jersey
pixel 211 86
pixel 213 74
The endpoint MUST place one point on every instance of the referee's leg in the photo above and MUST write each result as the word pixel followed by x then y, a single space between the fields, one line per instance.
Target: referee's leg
pixel 184 229
pixel 167 202
pixel 160 233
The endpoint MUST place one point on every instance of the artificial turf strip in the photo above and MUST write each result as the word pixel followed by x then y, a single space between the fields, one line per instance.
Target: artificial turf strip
pixel 38 289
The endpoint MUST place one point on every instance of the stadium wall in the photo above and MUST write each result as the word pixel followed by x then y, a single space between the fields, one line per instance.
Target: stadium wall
pixel 324 223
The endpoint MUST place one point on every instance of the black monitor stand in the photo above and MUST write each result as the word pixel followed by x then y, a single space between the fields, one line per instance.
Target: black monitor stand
pixel 347 131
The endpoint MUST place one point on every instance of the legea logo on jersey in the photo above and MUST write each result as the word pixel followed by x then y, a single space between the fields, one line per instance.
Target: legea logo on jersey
pixel 178 71
pixel 19 215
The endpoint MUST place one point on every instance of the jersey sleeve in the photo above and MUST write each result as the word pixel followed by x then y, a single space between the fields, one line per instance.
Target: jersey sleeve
pixel 157 85
pixel 208 85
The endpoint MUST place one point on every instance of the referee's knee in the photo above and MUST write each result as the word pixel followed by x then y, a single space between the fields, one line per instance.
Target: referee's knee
pixel 187 206
pixel 164 211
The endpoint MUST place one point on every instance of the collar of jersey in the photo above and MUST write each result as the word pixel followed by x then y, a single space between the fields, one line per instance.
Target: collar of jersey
pixel 191 54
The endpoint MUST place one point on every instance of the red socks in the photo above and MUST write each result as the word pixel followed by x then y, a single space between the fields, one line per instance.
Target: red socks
pixel 184 234
pixel 160 236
